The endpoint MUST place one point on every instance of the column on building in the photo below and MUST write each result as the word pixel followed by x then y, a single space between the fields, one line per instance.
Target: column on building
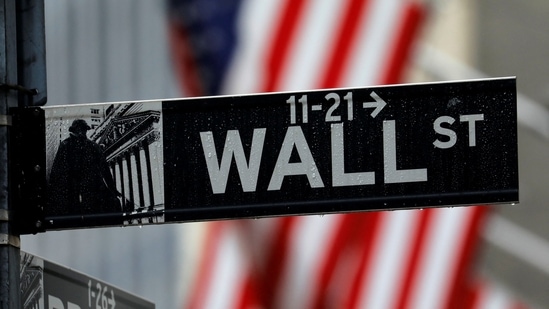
pixel 134 177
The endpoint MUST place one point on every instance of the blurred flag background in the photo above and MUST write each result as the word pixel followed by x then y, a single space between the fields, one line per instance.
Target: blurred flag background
pixel 470 257
pixel 401 259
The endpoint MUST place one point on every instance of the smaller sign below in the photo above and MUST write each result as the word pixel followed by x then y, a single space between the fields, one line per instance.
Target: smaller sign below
pixel 48 285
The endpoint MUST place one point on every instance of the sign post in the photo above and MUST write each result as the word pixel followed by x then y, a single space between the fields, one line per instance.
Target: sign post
pixel 309 152
pixel 22 83
pixel 9 236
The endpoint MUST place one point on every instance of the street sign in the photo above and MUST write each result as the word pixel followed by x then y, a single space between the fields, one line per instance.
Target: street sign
pixel 308 152
pixel 46 285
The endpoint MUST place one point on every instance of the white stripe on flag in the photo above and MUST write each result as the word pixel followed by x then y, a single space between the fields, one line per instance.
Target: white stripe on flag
pixel 369 55
pixel 308 245
pixel 313 43
pixel 438 263
pixel 391 250
pixel 257 22
pixel 228 272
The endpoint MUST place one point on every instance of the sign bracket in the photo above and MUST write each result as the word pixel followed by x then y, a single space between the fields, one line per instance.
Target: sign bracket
pixel 10 240
pixel 5 215
pixel 28 170
pixel 5 120
pixel 7 239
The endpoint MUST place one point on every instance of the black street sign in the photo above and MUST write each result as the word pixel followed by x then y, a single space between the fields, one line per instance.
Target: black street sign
pixel 308 152
pixel 48 285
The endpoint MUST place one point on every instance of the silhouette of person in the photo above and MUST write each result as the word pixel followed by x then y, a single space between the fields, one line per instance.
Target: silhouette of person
pixel 80 180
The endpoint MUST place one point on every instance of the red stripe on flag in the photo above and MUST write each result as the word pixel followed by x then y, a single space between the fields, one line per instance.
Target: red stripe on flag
pixel 248 296
pixel 413 18
pixel 348 237
pixel 370 224
pixel 277 259
pixel 278 53
pixel 336 246
pixel 471 298
pixel 352 225
pixel 183 60
pixel 462 271
pixel 343 42
pixel 204 275
pixel 411 270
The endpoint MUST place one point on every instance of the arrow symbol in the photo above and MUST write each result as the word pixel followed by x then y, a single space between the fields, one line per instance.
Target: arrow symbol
pixel 111 300
pixel 379 104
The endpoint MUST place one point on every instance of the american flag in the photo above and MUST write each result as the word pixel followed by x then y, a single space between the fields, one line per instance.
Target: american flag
pixel 398 259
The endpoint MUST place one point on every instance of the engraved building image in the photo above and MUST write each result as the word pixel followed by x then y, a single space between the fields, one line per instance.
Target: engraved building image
pixel 128 137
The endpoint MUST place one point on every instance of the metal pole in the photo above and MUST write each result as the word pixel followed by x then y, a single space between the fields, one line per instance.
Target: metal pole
pixel 31 52
pixel 10 296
